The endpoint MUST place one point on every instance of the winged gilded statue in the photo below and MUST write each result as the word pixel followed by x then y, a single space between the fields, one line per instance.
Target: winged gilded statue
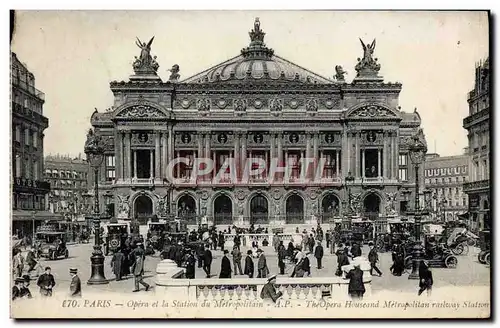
pixel 368 50
pixel 145 56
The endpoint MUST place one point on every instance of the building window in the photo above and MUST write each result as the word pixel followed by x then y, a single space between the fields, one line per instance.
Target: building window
pixel 27 170
pixel 426 181
pixel 110 167
pixel 35 170
pixel 18 166
pixel 403 160
pixel 403 174
pixel 18 133
pixel 27 136
pixel 35 139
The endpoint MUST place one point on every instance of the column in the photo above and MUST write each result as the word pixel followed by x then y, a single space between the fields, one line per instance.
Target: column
pixel 151 164
pixel 128 159
pixel 356 156
pixel 337 163
pixel 272 149
pixel 178 168
pixel 236 155
pixel 157 156
pixel 379 161
pixel 164 154
pixel 214 155
pixel 170 143
pixel 243 158
pixel 363 163
pixel 118 155
pixel 347 150
pixel 315 152
pixel 135 164
pixel 307 155
pixel 395 142
pixel 207 145
pixel 385 162
pixel 280 147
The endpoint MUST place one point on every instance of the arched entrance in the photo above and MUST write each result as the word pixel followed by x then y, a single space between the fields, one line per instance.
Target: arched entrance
pixel 329 207
pixel 223 210
pixel 295 209
pixel 186 209
pixel 371 205
pixel 143 209
pixel 259 210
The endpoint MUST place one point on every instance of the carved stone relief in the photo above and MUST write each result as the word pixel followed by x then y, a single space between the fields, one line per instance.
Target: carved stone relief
pixel 141 111
pixel 390 204
pixel 371 111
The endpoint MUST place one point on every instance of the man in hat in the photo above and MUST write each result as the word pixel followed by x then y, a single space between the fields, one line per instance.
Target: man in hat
pixel 46 282
pixel 249 267
pixel 31 260
pixel 225 266
pixel 262 268
pixel 75 288
pixel 18 263
pixel 356 287
pixel 117 263
pixel 318 254
pixel 207 260
pixel 306 264
pixel 237 260
pixel 269 290
pixel 25 292
pixel 190 264
pixel 373 259
pixel 16 289
pixel 138 266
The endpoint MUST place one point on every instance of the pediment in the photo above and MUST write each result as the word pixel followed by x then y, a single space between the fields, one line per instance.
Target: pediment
pixel 141 110
pixel 370 111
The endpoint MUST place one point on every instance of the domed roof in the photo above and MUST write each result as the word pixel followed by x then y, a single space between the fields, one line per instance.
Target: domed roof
pixel 257 62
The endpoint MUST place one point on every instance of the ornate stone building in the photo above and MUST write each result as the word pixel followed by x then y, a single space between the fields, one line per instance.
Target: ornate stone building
pixel 257 105
pixel 477 125
pixel 29 190
pixel 444 178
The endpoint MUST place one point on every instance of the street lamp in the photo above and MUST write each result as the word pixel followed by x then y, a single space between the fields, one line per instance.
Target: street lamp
pixel 95 156
pixel 417 154
pixel 349 179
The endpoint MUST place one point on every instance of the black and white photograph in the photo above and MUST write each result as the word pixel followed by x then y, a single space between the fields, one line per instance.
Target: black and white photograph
pixel 250 164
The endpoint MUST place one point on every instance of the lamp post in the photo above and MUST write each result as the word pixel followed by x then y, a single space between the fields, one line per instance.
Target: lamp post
pixel 349 179
pixel 417 154
pixel 95 156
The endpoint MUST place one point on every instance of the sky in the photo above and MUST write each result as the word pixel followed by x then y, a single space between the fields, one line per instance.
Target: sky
pixel 75 54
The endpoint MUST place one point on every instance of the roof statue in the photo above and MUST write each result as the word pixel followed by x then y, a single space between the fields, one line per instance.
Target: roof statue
pixel 257 49
pixel 257 34
pixel 145 64
pixel 174 73
pixel 339 74
pixel 367 67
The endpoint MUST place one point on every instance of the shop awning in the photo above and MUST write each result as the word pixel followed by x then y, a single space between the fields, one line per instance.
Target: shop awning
pixel 21 215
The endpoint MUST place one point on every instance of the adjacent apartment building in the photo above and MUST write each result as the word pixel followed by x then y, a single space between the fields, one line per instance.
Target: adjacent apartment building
pixel 444 179
pixel 477 125
pixel 29 190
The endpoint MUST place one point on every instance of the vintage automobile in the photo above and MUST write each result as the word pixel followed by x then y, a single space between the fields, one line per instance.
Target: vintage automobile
pixel 52 244
pixel 117 234
pixel 435 252
pixel 458 241
pixel 156 234
pixel 484 255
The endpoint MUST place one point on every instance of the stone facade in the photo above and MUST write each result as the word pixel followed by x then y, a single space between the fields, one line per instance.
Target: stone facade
pixel 29 190
pixel 258 106
pixel 477 125
pixel 444 178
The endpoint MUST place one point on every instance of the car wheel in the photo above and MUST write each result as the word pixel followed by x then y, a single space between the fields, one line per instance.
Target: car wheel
pixel 451 262
pixel 487 258
pixel 480 257
pixel 466 249
pixel 66 254
pixel 53 256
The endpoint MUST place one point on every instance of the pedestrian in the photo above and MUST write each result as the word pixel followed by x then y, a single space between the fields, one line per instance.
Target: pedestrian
pixel 356 286
pixel 249 266
pixel 237 240
pixel 16 289
pixel 269 290
pixel 281 257
pixel 138 267
pixel 262 268
pixel 214 240
pixel 75 288
pixel 46 282
pixel 190 265
pixel 318 254
pixel 31 260
pixel 237 260
pixel 342 259
pixel 319 234
pixel 425 276
pixel 117 264
pixel 18 263
pixel 306 264
pixel 207 261
pixel 298 270
pixel 373 259
pixel 200 251
pixel 25 292
pixel 221 240
pixel 311 243
pixel 327 237
pixel 225 266
pixel 276 242
pixel 290 250
pixel 355 250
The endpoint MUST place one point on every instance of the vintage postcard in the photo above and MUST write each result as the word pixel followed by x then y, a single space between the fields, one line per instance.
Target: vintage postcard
pixel 250 164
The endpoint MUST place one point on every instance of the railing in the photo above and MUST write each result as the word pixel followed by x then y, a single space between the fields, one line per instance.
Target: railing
pixel 482 184
pixel 171 284
pixel 482 113
pixel 30 88
pixel 29 183
pixel 29 113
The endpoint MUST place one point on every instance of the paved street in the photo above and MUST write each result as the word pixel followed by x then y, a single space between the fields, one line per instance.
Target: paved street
pixel 469 271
